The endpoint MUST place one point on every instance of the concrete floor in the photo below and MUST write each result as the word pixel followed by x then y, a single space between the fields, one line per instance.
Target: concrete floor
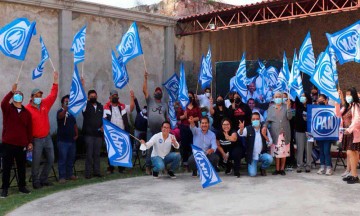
pixel 294 194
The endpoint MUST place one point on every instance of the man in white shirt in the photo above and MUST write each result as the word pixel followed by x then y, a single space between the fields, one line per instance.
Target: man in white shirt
pixel 161 154
pixel 204 99
pixel 257 144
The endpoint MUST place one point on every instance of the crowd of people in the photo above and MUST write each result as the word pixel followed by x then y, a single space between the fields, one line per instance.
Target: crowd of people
pixel 226 129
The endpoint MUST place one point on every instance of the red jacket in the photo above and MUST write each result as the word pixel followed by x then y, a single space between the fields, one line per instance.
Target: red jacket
pixel 40 116
pixel 17 127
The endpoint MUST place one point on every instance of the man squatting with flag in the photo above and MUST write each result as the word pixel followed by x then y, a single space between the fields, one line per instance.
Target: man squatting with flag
pixel 161 154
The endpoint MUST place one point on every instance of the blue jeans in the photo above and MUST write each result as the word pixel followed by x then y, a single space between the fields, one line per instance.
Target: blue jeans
pixel 159 163
pixel 42 145
pixel 325 157
pixel 66 159
pixel 265 160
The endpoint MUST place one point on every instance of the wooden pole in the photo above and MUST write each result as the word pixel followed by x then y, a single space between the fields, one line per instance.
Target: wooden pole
pixel 22 64
pixel 144 63
pixel 52 64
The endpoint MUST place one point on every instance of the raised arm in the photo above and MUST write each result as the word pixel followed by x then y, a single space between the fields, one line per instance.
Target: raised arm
pixel 132 102
pixel 50 99
pixel 145 87
pixel 5 103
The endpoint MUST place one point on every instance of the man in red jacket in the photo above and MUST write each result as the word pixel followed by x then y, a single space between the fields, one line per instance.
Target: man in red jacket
pixel 16 136
pixel 39 108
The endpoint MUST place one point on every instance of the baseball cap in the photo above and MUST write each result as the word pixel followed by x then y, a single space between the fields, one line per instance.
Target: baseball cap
pixel 36 90
pixel 158 89
pixel 113 92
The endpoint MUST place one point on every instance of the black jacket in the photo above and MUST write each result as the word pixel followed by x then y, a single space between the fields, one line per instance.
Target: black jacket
pixel 141 121
pixel 93 120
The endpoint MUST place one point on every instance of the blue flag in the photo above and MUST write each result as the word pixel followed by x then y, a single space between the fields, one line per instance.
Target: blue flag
pixel 207 173
pixel 172 87
pixel 333 61
pixel 296 87
pixel 118 145
pixel 241 81
pixel 78 46
pixel 346 43
pixel 172 114
pixel 283 78
pixel 183 90
pixel 306 56
pixel 130 45
pixel 205 75
pixel 323 77
pixel 37 72
pixel 262 73
pixel 271 76
pixel 15 38
pixel 77 99
pixel 120 75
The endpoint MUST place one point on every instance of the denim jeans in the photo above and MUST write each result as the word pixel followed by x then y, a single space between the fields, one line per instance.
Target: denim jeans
pixel 42 145
pixel 325 157
pixel 265 160
pixel 171 158
pixel 66 159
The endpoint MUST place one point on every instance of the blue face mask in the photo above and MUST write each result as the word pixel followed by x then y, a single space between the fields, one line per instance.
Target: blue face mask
pixel 18 98
pixel 37 101
pixel 349 99
pixel 302 99
pixel 278 100
pixel 284 100
pixel 203 113
pixel 255 123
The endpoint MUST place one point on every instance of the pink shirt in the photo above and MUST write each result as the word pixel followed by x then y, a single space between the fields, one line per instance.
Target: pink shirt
pixel 354 127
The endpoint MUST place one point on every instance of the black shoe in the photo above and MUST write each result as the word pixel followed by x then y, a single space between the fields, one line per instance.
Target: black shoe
pixel 171 174
pixel 121 169
pixel 24 190
pixel 237 174
pixel 194 173
pixel 276 172
pixel 353 180
pixel 347 178
pixel 263 172
pixel 282 172
pixel 228 171
pixel 155 175
pixel 4 193
pixel 37 186
pixel 98 175
pixel 47 184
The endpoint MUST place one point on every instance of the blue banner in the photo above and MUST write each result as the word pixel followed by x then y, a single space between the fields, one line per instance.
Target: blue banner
pixel 15 38
pixel 333 61
pixel 271 76
pixel 172 114
pixel 208 175
pixel 283 78
pixel 77 99
pixel 296 87
pixel 130 45
pixel 78 46
pixel 323 78
pixel 322 122
pixel 183 89
pixel 118 145
pixel 37 72
pixel 306 56
pixel 346 43
pixel 172 87
pixel 120 75
pixel 241 81
pixel 205 75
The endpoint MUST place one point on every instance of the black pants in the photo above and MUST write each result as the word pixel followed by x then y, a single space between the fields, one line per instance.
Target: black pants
pixel 9 153
pixel 237 153
pixel 186 141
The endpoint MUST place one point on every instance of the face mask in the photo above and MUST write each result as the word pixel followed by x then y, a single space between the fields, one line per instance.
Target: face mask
pixel 144 111
pixel 255 123
pixel 18 98
pixel 114 100
pixel 349 99
pixel 207 94
pixel 220 103
pixel 284 100
pixel 92 100
pixel 203 113
pixel 237 100
pixel 66 103
pixel 157 96
pixel 232 100
pixel 278 100
pixel 302 99
pixel 37 101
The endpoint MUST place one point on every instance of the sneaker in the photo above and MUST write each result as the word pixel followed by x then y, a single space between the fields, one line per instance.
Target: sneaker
pixel 263 172
pixel 37 186
pixel 228 171
pixel 321 171
pixel 171 174
pixel 307 169
pixel 353 180
pixel 155 175
pixel 62 181
pixel 4 193
pixel 329 172
pixel 299 170
pixel 47 184
pixel 345 174
pixel 347 178
pixel 24 190
pixel 194 174
pixel 276 172
pixel 282 172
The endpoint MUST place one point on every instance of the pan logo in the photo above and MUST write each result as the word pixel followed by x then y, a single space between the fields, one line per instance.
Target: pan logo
pixel 347 42
pixel 129 45
pixel 122 147
pixel 324 123
pixel 307 57
pixel 204 165
pixel 326 78
pixel 14 38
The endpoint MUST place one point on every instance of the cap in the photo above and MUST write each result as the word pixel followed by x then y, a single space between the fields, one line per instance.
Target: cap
pixel 158 89
pixel 35 91
pixel 113 92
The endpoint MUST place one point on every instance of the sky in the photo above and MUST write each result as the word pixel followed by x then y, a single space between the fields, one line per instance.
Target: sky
pixel 133 3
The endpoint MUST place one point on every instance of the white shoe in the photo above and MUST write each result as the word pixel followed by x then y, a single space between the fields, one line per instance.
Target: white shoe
pixel 321 171
pixel 329 172
pixel 345 174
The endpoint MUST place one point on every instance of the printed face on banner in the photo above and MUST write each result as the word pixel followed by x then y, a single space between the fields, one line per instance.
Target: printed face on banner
pixel 121 144
pixel 347 42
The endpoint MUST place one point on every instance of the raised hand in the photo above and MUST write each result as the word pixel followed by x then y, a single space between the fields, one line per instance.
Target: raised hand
pixel 173 140
pixel 14 87
pixel 56 77
pixel 191 120
pixel 264 131
pixel 241 125
pixel 132 94
pixel 288 103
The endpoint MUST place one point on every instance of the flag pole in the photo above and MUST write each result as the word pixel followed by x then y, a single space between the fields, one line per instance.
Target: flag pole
pixel 144 62
pixel 134 137
pixel 52 64
pixel 82 69
pixel 197 87
pixel 22 64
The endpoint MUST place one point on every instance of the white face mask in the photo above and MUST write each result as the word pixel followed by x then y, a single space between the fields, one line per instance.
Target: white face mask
pixel 207 95
pixel 144 111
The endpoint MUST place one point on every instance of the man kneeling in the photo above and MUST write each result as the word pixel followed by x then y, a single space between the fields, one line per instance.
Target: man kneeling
pixel 161 154
pixel 257 143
